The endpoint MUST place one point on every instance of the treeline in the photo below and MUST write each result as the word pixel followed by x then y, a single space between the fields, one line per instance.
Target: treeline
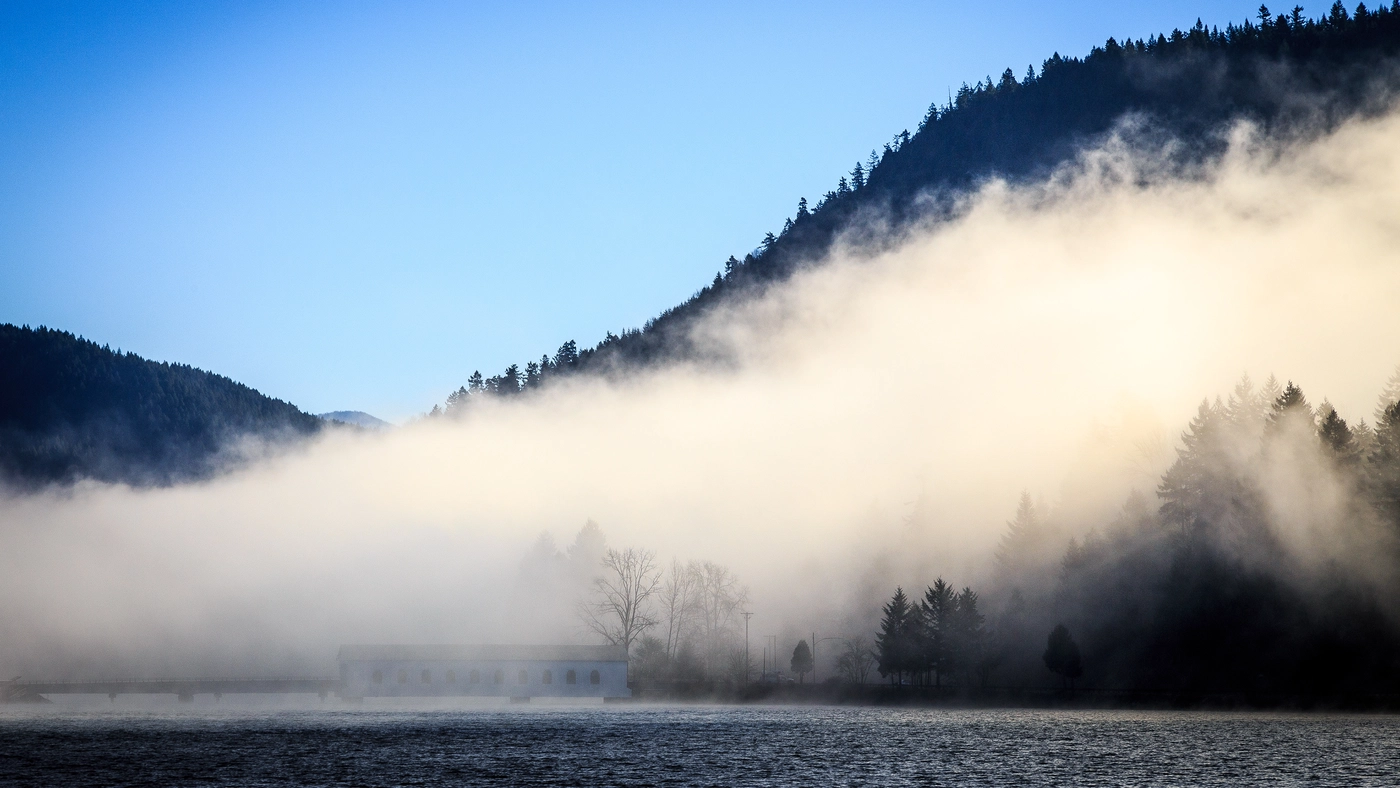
pixel 1269 565
pixel 939 637
pixel 71 409
pixel 1288 73
pixel 680 621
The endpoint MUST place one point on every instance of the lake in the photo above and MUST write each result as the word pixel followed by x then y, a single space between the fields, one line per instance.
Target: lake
pixel 69 744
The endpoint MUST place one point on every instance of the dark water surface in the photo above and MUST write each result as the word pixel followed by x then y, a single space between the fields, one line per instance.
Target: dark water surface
pixel 697 745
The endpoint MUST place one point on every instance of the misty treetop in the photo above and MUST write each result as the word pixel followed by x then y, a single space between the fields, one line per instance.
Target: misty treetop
pixel 1288 73
pixel 71 409
pixel 1269 566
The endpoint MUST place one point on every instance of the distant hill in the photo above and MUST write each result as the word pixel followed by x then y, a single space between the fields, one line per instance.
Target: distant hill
pixel 1292 75
pixel 72 409
pixel 356 417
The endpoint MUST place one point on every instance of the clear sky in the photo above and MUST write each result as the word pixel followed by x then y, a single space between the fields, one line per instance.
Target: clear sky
pixel 353 205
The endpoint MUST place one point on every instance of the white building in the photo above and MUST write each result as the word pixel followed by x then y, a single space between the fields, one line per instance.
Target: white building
pixel 484 671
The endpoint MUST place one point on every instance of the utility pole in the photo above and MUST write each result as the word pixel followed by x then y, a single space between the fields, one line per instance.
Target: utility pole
pixel 814 654
pixel 747 614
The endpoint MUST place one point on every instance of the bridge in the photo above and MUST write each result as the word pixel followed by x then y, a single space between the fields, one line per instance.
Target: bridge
pixel 17 691
pixel 518 672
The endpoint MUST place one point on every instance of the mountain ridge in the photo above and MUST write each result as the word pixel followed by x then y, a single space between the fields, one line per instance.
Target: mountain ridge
pixel 71 409
pixel 1290 75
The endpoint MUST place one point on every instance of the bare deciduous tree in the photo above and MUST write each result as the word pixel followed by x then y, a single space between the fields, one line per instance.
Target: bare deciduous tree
pixel 678 603
pixel 619 609
pixel 857 660
pixel 719 598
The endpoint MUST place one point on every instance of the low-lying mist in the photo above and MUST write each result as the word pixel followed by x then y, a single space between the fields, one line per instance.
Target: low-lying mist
pixel 881 418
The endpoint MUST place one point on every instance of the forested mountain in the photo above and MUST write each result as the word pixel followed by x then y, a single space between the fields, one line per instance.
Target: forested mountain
pixel 71 409
pixel 1292 75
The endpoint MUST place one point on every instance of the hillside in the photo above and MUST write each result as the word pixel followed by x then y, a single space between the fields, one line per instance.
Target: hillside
pixel 356 418
pixel 1293 76
pixel 71 409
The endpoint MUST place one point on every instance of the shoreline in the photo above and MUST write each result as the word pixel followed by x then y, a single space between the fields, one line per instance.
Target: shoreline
pixel 1010 697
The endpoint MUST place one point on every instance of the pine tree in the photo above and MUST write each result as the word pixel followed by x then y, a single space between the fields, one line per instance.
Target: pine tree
pixel 1268 394
pixel 1336 437
pixel 1245 408
pixel 1390 394
pixel 1187 488
pixel 802 663
pixel 567 355
pixel 1062 655
pixel 969 632
pixel 893 643
pixel 1022 533
pixel 1383 468
pixel 938 614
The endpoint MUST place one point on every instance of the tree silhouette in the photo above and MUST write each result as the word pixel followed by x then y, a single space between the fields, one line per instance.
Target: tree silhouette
pixel 936 632
pixel 895 644
pixel 71 409
pixel 620 608
pixel 802 663
pixel 1062 655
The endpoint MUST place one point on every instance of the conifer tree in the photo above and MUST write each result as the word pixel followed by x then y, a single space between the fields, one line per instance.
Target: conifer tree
pixel 1022 533
pixel 893 644
pixel 969 633
pixel 802 662
pixel 938 615
pixel 1062 655
pixel 1383 470
pixel 1336 436
pixel 1390 394
pixel 1268 394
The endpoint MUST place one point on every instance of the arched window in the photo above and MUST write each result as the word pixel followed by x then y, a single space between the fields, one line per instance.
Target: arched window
pixel 547 678
pixel 403 677
pixel 595 678
pixel 524 677
pixel 474 677
pixel 500 677
pixel 451 677
pixel 378 677
pixel 571 677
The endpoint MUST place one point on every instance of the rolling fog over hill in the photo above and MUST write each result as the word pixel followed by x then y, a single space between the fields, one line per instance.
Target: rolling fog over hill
pixel 885 392
pixel 1292 76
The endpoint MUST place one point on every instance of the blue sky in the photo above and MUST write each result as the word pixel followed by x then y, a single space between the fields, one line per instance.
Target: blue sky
pixel 354 205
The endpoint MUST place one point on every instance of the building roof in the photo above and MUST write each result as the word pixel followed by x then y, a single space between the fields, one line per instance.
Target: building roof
pixel 446 652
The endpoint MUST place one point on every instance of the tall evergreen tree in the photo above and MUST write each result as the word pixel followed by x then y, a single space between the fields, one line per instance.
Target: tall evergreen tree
pixel 802 662
pixel 969 634
pixel 1390 394
pixel 1062 655
pixel 1017 546
pixel 893 644
pixel 1383 468
pixel 937 631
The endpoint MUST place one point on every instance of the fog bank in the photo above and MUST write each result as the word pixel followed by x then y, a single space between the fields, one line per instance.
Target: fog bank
pixel 881 418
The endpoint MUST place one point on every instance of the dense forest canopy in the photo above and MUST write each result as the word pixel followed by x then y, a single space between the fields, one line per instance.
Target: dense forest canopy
pixel 1292 75
pixel 1267 567
pixel 71 409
